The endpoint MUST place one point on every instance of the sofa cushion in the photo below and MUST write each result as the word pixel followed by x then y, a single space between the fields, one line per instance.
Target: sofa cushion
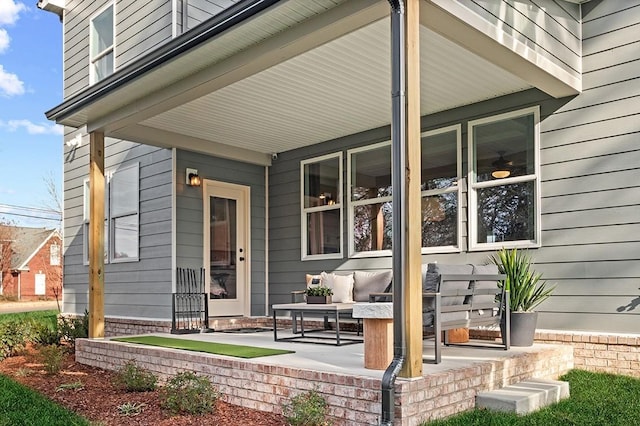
pixel 432 281
pixel 367 282
pixel 342 286
pixel 490 269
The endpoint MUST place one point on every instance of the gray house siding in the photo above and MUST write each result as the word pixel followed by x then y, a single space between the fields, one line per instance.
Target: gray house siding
pixel 199 11
pixel 550 28
pixel 189 219
pixel 144 284
pixel 591 213
pixel 141 27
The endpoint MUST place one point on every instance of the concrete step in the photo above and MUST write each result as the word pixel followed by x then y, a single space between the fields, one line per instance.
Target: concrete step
pixel 523 397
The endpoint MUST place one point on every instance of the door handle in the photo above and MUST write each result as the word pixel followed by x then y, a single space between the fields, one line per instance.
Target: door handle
pixel 242 259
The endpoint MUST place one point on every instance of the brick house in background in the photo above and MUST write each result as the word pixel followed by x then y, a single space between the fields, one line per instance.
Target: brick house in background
pixel 30 262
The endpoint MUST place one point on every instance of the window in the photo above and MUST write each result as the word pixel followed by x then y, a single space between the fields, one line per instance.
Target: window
pixel 370 200
pixel 54 254
pixel 101 45
pixel 440 190
pixel 121 210
pixel 321 191
pixel 504 207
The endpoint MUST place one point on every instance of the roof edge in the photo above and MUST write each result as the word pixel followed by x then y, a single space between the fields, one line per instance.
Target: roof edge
pixel 226 19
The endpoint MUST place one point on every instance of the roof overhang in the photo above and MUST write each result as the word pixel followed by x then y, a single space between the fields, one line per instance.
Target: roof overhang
pixel 232 89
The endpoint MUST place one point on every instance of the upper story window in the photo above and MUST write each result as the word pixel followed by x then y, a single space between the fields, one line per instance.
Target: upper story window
pixel 54 254
pixel 441 167
pixel 321 180
pixel 101 43
pixel 504 194
pixel 370 200
pixel 121 210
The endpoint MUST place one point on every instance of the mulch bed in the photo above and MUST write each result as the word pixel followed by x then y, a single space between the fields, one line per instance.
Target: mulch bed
pixel 99 398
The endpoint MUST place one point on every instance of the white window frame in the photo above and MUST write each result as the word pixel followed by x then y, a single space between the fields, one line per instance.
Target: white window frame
pixel 110 49
pixel 352 204
pixel 337 206
pixel 109 219
pixel 456 188
pixel 474 186
pixel 113 217
pixel 54 260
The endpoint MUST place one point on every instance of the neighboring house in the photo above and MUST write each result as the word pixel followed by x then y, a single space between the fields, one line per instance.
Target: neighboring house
pixel 530 128
pixel 31 264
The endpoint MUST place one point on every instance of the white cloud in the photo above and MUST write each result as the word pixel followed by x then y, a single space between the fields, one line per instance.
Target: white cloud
pixel 4 40
pixel 10 84
pixel 10 11
pixel 32 128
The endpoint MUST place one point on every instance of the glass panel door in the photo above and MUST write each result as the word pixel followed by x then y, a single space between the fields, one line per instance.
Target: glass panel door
pixel 225 251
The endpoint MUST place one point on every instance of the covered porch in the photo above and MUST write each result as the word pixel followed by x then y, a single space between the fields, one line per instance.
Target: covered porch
pixel 269 77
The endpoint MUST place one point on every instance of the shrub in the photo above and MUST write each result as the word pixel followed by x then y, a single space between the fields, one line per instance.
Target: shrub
pixel 51 356
pixel 308 409
pixel 131 408
pixel 188 393
pixel 135 378
pixel 46 334
pixel 74 328
pixel 13 337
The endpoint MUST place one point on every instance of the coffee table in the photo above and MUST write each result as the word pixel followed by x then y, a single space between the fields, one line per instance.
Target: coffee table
pixel 304 336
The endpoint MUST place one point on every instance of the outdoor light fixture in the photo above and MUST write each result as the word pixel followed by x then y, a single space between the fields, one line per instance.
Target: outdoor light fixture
pixel 192 178
pixel 501 167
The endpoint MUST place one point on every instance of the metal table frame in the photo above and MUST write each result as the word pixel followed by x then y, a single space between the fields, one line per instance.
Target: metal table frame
pixel 333 309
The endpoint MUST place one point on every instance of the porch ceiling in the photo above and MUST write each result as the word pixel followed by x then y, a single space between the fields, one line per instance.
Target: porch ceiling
pixel 294 75
pixel 337 89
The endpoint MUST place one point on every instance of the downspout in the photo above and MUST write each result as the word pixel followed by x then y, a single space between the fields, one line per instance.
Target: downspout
pixel 398 158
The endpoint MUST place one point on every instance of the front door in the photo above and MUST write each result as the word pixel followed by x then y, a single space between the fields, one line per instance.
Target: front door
pixel 226 251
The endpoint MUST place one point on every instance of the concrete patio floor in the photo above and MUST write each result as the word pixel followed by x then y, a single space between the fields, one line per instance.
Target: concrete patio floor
pixel 338 373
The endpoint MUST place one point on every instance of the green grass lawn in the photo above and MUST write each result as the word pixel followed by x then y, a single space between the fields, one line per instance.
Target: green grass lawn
pixel 35 316
pixel 20 405
pixel 596 399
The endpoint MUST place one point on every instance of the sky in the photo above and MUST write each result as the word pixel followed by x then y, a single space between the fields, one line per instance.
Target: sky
pixel 30 84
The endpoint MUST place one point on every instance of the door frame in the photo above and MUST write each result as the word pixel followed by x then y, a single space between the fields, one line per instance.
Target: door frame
pixel 209 189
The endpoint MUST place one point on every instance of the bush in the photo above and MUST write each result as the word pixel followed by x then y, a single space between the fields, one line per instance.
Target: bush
pixel 135 378
pixel 74 328
pixel 51 356
pixel 13 337
pixel 308 409
pixel 45 334
pixel 188 393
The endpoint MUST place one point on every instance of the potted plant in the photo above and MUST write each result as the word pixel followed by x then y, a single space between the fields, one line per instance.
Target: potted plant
pixel 526 292
pixel 318 294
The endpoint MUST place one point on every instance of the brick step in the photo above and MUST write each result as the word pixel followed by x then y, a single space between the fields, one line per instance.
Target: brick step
pixel 524 397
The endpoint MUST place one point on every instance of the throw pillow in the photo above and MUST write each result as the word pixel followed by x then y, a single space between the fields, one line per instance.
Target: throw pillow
pixel 342 286
pixel 313 280
pixel 367 282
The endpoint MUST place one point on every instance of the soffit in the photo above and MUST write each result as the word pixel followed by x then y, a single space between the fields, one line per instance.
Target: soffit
pixel 337 89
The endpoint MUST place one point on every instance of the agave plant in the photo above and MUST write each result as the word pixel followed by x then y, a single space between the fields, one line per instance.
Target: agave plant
pixel 526 290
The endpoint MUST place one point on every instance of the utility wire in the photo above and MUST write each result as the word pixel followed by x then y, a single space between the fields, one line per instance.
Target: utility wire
pixel 31 216
pixel 34 209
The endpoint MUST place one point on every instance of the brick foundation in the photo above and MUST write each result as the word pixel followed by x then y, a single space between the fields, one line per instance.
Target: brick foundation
pixel 353 400
pixel 599 352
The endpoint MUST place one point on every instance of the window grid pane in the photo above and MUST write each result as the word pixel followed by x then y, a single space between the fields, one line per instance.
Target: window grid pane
pixel 372 227
pixel 506 213
pixel 323 232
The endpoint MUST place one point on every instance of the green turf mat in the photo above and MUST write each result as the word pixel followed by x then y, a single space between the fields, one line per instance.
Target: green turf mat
pixel 238 351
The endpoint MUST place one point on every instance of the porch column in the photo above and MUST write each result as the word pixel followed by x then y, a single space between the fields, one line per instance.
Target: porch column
pixel 96 235
pixel 412 177
pixel 405 143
